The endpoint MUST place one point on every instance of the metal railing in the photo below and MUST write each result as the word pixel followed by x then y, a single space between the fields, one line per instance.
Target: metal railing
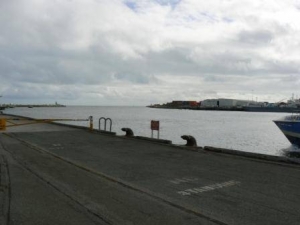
pixel 105 122
pixel 11 121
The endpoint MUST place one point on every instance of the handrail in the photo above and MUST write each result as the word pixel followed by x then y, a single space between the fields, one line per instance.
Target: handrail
pixel 29 121
pixel 105 121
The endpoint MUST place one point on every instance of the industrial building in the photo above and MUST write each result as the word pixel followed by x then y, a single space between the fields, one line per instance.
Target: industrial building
pixel 226 103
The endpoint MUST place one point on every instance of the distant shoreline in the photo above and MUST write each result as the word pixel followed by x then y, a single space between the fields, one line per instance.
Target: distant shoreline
pixel 233 108
pixel 31 105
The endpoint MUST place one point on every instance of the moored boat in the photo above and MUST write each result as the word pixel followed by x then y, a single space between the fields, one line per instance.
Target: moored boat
pixel 290 127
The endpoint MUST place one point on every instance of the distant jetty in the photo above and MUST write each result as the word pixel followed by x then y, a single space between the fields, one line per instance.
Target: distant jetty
pixel 3 106
pixel 222 104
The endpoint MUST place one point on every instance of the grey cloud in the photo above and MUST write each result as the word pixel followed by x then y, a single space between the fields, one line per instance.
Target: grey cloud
pixel 135 78
pixel 256 37
pixel 34 92
pixel 168 2
pixel 134 4
pixel 291 78
pixel 50 49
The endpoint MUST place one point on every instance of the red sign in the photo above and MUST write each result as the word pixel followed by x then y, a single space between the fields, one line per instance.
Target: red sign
pixel 154 125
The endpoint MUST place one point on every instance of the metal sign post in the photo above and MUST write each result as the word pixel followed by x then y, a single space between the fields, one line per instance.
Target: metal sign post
pixel 155 126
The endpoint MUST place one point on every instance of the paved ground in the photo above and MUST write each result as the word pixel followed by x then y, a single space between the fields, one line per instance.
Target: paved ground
pixel 59 175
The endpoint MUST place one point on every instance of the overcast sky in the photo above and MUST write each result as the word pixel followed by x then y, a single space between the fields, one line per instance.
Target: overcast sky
pixel 140 52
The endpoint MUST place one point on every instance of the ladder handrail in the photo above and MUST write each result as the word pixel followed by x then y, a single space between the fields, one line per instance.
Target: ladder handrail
pixel 105 121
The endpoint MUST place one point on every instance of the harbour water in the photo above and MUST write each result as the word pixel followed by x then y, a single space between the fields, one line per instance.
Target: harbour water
pixel 245 131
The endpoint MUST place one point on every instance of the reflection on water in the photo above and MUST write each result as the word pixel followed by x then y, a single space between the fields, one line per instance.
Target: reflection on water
pixel 245 131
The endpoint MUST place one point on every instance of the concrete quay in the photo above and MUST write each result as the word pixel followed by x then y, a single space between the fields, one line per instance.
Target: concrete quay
pixel 53 174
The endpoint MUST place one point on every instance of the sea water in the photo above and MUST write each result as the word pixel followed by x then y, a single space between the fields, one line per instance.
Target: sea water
pixel 244 131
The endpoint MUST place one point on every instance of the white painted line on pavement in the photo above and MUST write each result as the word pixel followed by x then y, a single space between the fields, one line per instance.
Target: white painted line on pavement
pixel 208 188
pixel 183 180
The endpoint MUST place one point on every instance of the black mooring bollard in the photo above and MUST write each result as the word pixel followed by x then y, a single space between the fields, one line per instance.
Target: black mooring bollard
pixel 129 132
pixel 190 140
